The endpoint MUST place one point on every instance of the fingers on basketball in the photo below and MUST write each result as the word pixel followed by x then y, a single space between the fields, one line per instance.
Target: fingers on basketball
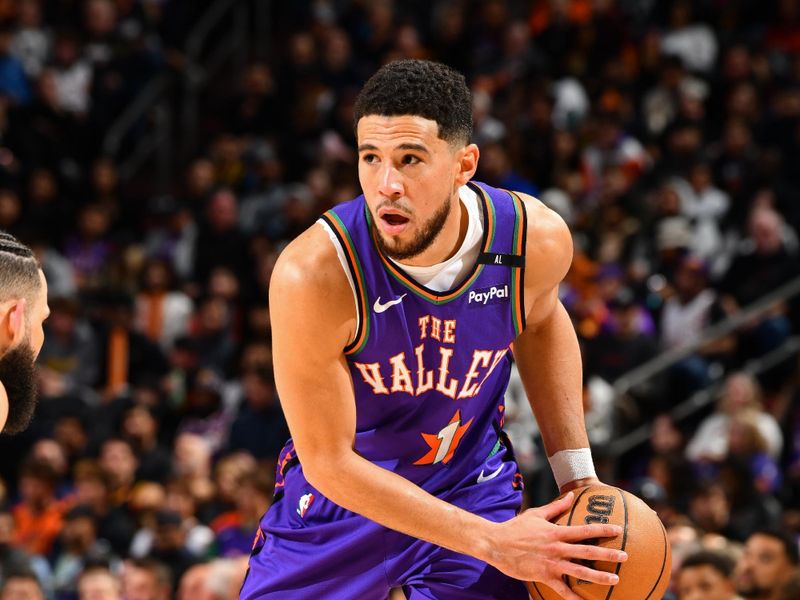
pixel 644 575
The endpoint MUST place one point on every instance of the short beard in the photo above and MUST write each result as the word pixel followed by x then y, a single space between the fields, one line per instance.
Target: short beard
pixel 17 372
pixel 423 240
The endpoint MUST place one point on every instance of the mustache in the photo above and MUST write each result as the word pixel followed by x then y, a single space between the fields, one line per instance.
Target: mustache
pixel 394 205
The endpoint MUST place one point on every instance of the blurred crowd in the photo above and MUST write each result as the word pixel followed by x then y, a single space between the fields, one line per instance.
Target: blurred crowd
pixel 664 133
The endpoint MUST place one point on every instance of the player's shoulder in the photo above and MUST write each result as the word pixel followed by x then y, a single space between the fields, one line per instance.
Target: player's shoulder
pixel 310 298
pixel 548 237
pixel 310 265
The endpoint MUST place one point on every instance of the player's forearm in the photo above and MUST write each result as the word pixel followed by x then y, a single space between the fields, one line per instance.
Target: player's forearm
pixel 549 362
pixel 358 485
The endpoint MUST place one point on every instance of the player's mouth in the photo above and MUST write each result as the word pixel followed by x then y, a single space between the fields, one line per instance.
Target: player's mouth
pixel 392 222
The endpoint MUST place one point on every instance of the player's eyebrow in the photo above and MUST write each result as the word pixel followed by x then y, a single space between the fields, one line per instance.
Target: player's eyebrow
pixel 416 147
pixel 403 146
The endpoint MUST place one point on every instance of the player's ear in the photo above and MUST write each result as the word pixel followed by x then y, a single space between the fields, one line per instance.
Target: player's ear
pixel 467 163
pixel 12 323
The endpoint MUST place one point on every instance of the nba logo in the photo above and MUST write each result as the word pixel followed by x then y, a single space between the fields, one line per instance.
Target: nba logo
pixel 305 502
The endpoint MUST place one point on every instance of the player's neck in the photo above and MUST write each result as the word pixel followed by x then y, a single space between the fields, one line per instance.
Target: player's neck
pixel 448 241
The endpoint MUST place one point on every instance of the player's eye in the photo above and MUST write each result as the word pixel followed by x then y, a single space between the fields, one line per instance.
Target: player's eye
pixel 410 159
pixel 369 158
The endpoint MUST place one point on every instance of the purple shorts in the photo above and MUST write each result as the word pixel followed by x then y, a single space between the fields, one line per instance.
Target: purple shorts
pixel 310 548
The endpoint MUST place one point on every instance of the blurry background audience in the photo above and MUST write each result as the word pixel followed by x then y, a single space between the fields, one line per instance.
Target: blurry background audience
pixel 158 165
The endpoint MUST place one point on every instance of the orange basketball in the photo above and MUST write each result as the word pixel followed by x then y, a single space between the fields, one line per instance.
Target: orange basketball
pixel 646 573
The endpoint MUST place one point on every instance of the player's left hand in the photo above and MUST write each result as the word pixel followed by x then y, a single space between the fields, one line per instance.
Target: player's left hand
pixel 530 547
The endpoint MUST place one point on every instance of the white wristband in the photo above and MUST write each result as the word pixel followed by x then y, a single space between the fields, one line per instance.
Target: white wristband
pixel 569 465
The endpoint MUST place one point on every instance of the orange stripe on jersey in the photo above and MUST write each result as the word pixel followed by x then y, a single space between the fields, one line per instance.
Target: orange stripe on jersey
pixel 347 244
pixel 518 280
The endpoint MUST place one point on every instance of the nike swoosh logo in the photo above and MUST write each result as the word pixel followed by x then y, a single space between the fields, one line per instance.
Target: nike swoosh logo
pixel 484 478
pixel 379 308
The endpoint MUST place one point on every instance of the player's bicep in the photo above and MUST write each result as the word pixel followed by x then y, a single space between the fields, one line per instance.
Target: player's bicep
pixel 310 327
pixel 541 308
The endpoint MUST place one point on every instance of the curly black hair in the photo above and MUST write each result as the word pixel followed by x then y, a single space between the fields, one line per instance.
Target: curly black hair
pixel 422 88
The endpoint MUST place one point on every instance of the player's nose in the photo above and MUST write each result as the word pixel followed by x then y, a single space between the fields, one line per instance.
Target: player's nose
pixel 390 183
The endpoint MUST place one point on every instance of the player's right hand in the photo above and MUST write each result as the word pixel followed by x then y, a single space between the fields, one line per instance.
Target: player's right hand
pixel 531 548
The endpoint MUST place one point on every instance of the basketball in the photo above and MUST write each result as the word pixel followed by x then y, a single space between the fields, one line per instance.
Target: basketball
pixel 646 573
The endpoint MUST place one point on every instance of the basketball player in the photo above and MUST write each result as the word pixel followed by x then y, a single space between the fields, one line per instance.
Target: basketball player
pixel 23 309
pixel 392 321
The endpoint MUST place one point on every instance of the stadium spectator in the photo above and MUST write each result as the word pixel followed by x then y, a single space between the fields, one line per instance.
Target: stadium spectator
pixel 14 84
pixel 141 428
pixel 259 428
pixel 192 459
pixel 127 357
pixel 98 583
pixel 93 489
pixel 21 586
pixel 219 579
pixel 233 530
pixel 12 558
pixel 146 580
pixel 740 392
pixel 169 546
pixel 72 74
pixel 77 545
pixel 119 464
pixel 39 515
pixel 769 562
pixel 69 356
pixel 199 537
pixel 706 575
pixel 32 40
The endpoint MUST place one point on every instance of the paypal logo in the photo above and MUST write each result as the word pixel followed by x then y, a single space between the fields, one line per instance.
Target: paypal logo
pixel 492 295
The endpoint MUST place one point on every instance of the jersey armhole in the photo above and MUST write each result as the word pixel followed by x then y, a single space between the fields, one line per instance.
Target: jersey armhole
pixel 518 274
pixel 347 258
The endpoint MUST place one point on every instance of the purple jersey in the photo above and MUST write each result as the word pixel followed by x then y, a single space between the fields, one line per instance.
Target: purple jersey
pixel 430 368
pixel 429 372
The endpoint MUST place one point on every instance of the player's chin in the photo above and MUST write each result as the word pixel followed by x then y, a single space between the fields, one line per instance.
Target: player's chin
pixel 396 243
pixel 394 232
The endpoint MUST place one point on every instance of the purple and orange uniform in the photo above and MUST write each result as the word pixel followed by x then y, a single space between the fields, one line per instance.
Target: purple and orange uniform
pixel 429 372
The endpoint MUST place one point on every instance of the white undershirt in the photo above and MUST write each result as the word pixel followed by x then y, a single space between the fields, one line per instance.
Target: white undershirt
pixel 446 275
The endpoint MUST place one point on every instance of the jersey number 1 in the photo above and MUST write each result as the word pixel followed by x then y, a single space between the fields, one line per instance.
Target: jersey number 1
pixel 443 444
